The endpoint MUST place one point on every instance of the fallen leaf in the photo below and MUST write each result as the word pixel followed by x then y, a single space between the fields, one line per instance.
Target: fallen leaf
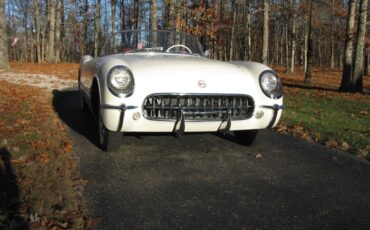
pixel 345 146
pixel 258 156
pixel 331 144
pixel 68 147
pixel 365 113
pixel 43 158
pixel 17 161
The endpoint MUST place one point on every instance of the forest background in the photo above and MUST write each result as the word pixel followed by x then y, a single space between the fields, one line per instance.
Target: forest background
pixel 286 33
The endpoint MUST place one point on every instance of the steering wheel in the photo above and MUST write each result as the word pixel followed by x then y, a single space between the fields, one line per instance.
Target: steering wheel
pixel 179 45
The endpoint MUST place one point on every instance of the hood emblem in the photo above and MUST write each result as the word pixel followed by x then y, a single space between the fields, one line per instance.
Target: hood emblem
pixel 202 84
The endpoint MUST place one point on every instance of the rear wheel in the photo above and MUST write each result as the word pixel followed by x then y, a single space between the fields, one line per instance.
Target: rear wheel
pixel 246 137
pixel 109 141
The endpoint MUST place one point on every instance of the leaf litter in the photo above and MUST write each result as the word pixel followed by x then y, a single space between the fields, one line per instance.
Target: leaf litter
pixel 46 171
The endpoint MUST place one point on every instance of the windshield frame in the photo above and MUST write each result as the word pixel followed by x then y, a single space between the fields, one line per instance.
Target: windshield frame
pixel 110 47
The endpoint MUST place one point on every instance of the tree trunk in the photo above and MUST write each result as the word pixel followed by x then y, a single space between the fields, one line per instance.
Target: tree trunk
pixel 179 9
pixel 123 15
pixel 57 30
pixel 232 36
pixel 358 71
pixel 293 37
pixel 97 28
pixel 305 38
pixel 153 15
pixel 167 14
pixel 287 48
pixel 86 25
pixel 4 61
pixel 153 21
pixel 63 48
pixel 332 43
pixel 367 61
pixel 136 15
pixel 308 75
pixel 265 44
pixel 247 51
pixel 319 53
pixel 113 19
pixel 51 31
pixel 38 30
pixel 348 50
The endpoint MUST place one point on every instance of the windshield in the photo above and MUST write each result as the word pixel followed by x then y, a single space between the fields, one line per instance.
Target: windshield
pixel 134 41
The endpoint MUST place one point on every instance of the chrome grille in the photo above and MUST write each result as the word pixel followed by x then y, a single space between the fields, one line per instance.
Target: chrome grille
pixel 198 107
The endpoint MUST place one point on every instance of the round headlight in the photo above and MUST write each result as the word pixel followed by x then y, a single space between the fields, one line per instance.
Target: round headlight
pixel 120 80
pixel 271 84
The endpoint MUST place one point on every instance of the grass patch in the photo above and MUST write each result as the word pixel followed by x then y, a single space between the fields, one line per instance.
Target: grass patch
pixel 39 185
pixel 337 120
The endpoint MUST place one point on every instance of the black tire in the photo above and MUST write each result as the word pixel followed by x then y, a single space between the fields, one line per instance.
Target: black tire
pixel 109 141
pixel 246 137
pixel 83 104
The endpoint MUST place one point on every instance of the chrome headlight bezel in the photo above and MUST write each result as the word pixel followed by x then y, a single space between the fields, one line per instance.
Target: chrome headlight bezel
pixel 271 84
pixel 124 90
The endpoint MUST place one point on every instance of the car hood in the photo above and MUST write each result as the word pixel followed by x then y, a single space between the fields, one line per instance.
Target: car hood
pixel 184 74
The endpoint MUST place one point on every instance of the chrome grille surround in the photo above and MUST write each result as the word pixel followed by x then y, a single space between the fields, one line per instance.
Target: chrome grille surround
pixel 198 107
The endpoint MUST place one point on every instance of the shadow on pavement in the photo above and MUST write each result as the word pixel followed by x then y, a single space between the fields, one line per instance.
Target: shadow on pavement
pixel 67 104
pixel 9 195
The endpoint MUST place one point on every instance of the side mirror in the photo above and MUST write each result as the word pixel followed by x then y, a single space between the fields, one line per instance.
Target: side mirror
pixel 208 53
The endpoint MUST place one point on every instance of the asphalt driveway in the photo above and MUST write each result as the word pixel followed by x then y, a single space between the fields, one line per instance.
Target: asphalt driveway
pixel 208 181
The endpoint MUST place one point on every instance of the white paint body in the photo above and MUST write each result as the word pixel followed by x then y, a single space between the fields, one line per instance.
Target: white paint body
pixel 178 74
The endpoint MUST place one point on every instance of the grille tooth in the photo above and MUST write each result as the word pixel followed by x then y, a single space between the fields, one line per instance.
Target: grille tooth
pixel 198 107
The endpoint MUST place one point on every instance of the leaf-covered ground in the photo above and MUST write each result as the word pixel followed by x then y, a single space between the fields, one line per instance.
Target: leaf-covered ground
pixel 39 184
pixel 318 112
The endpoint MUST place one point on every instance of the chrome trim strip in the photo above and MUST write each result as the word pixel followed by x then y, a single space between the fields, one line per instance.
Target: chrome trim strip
pixel 276 109
pixel 121 107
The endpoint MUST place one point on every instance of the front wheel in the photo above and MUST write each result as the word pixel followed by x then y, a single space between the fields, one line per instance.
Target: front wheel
pixel 246 137
pixel 83 104
pixel 109 141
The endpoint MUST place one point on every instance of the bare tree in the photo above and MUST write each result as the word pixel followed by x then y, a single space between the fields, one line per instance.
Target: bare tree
pixel 265 39
pixel 136 15
pixel 332 44
pixel 367 61
pixel 97 28
pixel 358 71
pixel 168 9
pixel 293 37
pixel 86 26
pixel 4 61
pixel 232 37
pixel 308 74
pixel 51 30
pixel 36 19
pixel 113 19
pixel 153 15
pixel 348 52
pixel 58 29
pixel 122 15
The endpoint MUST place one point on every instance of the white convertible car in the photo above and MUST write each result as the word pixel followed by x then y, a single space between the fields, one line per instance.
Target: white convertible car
pixel 162 81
